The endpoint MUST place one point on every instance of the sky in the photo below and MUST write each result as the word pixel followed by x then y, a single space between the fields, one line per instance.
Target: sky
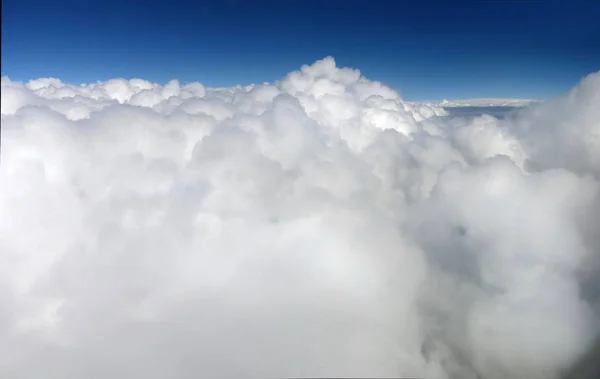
pixel 425 49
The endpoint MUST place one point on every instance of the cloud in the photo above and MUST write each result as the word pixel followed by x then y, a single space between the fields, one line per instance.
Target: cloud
pixel 316 226
pixel 483 103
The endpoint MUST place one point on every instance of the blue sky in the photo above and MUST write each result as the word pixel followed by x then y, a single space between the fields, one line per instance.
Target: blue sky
pixel 425 49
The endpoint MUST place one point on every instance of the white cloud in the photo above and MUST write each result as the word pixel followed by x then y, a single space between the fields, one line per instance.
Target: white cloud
pixel 316 226
pixel 481 103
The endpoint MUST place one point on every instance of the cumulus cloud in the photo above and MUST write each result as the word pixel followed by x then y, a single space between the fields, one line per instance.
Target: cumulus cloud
pixel 315 226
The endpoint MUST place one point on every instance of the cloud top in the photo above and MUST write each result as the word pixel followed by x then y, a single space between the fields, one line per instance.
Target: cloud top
pixel 315 226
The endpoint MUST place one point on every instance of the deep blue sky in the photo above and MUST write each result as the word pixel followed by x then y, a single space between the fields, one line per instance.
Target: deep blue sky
pixel 426 49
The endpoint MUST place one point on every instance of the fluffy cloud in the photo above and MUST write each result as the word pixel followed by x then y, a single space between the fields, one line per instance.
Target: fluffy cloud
pixel 315 226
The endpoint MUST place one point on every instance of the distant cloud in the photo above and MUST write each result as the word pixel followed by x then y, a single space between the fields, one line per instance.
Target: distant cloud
pixel 482 103
pixel 315 226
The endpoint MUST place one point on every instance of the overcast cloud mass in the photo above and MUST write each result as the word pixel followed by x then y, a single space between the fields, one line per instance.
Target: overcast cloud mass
pixel 316 226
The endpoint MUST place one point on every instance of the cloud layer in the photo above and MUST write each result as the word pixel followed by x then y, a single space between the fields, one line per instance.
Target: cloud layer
pixel 483 103
pixel 315 226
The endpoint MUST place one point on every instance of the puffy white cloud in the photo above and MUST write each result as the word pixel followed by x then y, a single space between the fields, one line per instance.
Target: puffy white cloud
pixel 316 226
pixel 14 96
pixel 564 132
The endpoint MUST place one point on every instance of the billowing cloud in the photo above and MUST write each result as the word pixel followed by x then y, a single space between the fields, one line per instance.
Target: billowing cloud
pixel 316 226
